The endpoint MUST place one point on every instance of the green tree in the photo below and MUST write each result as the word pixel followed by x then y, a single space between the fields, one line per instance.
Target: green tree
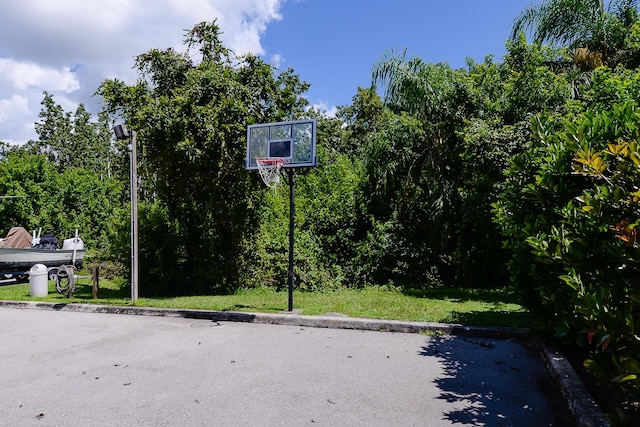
pixel 326 223
pixel 430 94
pixel 603 281
pixel 569 214
pixel 471 122
pixel 191 120
pixel 56 202
pixel 594 29
pixel 73 140
pixel 33 179
pixel 54 131
pixel 391 244
pixel 579 237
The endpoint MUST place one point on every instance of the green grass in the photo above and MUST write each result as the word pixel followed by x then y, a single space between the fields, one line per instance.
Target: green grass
pixel 463 306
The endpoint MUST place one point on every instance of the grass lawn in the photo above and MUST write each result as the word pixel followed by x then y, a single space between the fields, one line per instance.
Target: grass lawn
pixel 464 306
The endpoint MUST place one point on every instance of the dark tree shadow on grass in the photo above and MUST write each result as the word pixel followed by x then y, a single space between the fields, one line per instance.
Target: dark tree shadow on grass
pixel 503 319
pixel 495 296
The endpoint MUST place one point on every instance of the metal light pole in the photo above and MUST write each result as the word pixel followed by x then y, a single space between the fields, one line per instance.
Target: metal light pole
pixel 123 133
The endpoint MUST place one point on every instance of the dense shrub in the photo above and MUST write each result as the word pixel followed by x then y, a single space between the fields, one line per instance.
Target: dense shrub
pixel 571 225
pixel 58 202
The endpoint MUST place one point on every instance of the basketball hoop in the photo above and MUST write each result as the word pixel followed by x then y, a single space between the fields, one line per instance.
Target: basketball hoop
pixel 269 168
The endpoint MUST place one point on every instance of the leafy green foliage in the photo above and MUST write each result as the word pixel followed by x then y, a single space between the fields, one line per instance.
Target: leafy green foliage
pixel 68 178
pixel 391 246
pixel 74 140
pixel 588 26
pixel 503 140
pixel 562 227
pixel 532 86
pixel 439 180
pixel 191 123
pixel 57 203
pixel 609 297
pixel 326 221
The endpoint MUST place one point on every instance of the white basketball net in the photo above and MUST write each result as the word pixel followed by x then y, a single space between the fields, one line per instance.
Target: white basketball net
pixel 269 168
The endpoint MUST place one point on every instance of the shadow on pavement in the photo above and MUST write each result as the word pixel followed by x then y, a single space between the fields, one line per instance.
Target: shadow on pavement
pixel 495 383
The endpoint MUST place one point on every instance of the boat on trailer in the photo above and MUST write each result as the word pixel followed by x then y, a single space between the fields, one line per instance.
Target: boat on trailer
pixel 15 262
pixel 21 258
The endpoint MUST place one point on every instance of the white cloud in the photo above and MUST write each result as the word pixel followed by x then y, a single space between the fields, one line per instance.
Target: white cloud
pixel 323 107
pixel 276 60
pixel 68 47
pixel 14 106
pixel 24 75
pixel 15 119
pixel 242 22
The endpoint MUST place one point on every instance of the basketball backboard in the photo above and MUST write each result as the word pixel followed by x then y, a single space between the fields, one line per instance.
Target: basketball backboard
pixel 295 142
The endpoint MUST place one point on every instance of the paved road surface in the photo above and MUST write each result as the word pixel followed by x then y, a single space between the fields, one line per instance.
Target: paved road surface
pixel 89 369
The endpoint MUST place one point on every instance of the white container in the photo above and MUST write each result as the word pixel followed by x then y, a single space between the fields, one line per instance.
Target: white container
pixel 39 281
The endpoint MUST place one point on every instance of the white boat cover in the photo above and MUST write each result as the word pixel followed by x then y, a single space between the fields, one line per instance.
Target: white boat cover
pixel 73 243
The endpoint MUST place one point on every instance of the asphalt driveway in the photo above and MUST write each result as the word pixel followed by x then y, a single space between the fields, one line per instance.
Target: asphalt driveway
pixel 79 369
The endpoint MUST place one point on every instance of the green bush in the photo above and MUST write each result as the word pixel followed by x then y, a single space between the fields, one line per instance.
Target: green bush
pixel 58 202
pixel 572 231
pixel 325 223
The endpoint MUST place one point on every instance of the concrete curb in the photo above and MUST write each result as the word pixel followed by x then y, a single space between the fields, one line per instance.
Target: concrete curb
pixel 324 321
pixel 585 411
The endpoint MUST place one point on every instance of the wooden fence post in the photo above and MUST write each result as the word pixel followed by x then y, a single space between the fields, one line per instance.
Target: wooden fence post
pixel 96 282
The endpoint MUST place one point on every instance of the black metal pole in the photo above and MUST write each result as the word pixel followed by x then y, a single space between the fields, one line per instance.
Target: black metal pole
pixel 292 183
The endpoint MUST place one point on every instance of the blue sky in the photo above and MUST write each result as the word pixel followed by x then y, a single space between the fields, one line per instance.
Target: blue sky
pixel 68 47
pixel 333 44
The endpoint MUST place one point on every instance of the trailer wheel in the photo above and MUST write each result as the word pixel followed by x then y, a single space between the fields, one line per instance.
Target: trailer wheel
pixel 53 273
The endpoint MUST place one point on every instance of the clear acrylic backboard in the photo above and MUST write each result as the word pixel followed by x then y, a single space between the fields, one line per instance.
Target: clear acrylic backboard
pixel 294 142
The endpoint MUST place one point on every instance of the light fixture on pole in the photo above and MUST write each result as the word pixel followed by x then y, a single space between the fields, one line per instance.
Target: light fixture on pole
pixel 123 133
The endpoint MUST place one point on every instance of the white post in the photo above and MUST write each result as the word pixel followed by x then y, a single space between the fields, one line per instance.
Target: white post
pixel 75 245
